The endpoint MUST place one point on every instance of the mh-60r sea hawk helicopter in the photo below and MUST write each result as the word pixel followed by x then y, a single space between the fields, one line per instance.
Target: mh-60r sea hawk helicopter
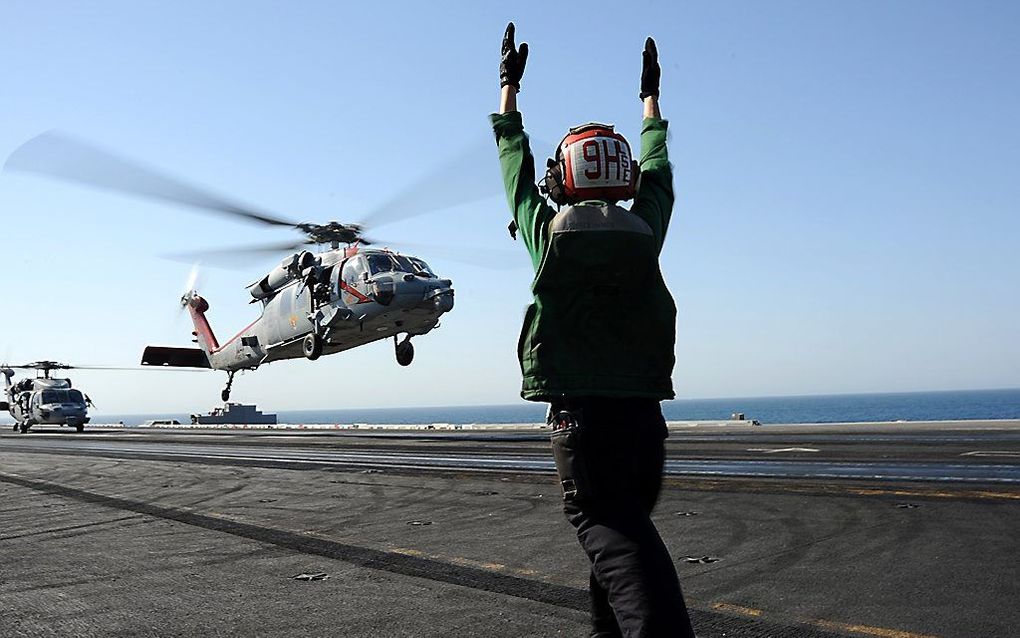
pixel 313 303
pixel 44 400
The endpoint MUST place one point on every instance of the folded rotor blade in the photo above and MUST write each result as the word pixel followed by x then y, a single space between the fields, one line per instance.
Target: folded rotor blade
pixel 59 156
pixel 469 176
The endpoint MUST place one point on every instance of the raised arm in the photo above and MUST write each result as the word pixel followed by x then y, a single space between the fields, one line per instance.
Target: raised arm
pixel 654 199
pixel 530 210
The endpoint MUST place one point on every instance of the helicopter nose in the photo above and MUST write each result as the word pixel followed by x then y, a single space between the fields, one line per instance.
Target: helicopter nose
pixel 444 302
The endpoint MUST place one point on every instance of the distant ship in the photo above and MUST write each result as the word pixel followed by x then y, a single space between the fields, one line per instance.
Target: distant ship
pixel 234 414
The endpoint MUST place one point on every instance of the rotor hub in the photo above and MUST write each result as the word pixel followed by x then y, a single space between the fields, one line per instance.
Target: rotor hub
pixel 332 233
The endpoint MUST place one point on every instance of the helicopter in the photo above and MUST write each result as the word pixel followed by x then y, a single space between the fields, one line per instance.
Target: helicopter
pixel 44 399
pixel 313 304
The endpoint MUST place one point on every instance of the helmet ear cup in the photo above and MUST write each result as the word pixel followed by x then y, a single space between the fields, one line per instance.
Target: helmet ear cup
pixel 552 185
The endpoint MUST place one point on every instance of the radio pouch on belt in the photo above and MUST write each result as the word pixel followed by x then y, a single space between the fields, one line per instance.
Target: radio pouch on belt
pixel 568 453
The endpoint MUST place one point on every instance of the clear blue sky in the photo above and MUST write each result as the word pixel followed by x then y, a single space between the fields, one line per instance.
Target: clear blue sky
pixel 847 177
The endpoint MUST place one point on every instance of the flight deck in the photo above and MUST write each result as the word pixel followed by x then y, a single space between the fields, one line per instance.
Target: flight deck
pixel 890 530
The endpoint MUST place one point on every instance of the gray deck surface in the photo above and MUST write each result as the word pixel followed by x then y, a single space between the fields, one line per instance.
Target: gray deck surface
pixel 172 533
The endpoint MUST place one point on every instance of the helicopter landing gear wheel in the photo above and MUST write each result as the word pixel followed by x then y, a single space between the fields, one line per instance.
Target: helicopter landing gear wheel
pixel 24 428
pixel 312 346
pixel 404 350
pixel 16 427
pixel 79 428
pixel 225 394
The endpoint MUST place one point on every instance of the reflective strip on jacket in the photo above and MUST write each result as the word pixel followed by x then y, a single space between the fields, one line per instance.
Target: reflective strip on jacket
pixel 602 322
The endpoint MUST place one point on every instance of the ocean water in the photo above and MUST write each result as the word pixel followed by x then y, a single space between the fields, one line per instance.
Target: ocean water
pixel 905 406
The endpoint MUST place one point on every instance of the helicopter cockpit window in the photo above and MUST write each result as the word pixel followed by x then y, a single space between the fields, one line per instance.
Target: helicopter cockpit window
pixel 413 265
pixel 61 396
pixel 379 262
pixel 353 269
pixel 421 266
pixel 404 264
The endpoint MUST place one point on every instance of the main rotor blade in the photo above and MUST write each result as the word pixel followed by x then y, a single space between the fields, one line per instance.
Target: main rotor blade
pixel 64 366
pixel 469 176
pixel 59 156
pixel 41 365
pixel 238 254
pixel 480 257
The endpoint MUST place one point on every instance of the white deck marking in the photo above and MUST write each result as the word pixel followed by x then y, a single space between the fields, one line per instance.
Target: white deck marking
pixel 767 450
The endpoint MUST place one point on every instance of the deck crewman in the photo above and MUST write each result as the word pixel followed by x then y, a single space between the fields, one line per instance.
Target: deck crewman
pixel 597 341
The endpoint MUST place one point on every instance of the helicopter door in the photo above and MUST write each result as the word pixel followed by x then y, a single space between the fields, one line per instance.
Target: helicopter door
pixel 354 284
pixel 288 317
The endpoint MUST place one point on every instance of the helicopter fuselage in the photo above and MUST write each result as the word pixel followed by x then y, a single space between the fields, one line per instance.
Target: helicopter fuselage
pixel 345 298
pixel 45 401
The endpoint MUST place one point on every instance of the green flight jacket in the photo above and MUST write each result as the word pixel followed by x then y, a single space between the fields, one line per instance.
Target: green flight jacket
pixel 603 322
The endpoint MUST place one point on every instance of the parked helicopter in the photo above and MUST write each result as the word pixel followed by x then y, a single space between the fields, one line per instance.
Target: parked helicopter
pixel 312 303
pixel 44 400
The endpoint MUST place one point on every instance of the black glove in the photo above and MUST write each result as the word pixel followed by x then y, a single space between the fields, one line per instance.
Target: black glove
pixel 511 64
pixel 650 70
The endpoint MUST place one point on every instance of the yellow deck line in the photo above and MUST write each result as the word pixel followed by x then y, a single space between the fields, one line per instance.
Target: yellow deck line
pixel 466 562
pixel 714 485
pixel 737 609
pixel 870 631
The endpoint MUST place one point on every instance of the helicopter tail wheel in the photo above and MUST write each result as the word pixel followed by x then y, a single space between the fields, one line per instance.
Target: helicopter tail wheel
pixel 404 351
pixel 312 346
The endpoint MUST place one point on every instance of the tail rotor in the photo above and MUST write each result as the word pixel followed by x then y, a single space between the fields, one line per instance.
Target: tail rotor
pixel 190 288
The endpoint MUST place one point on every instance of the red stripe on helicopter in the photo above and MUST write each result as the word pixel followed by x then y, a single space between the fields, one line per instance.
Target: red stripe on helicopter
pixel 235 337
pixel 202 325
pixel 346 287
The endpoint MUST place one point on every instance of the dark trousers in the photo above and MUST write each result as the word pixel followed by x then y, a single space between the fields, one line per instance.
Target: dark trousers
pixel 635 592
